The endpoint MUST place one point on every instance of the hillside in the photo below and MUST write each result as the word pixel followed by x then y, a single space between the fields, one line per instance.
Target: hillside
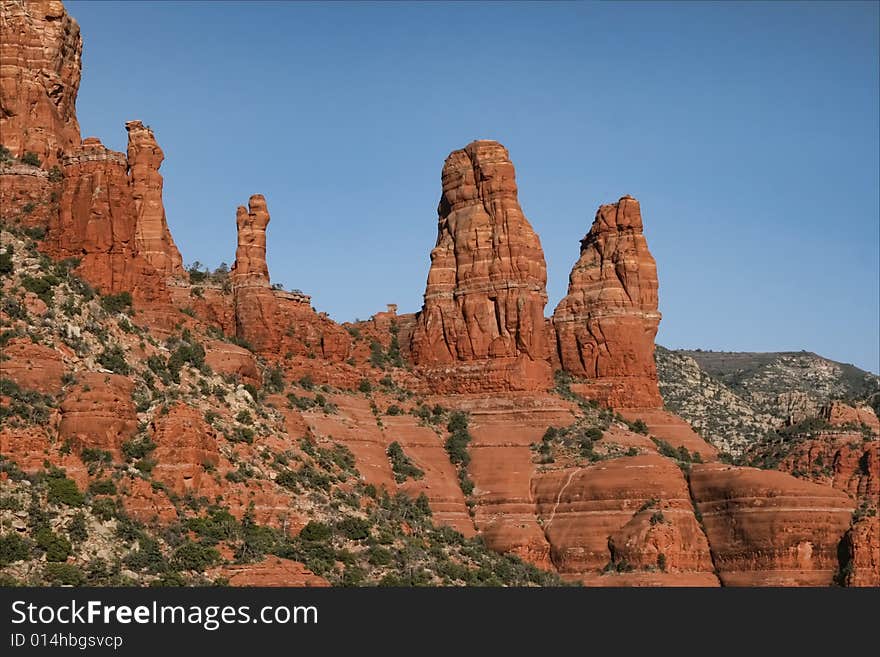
pixel 735 399
pixel 168 425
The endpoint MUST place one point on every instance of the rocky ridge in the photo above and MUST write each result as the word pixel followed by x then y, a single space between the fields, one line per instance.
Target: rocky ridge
pixel 168 428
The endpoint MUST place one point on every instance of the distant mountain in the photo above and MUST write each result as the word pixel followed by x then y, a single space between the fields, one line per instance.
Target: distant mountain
pixel 736 398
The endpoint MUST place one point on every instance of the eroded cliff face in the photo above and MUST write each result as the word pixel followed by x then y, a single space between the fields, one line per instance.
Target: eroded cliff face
pixel 152 237
pixel 768 528
pixel 97 224
pixel 40 64
pixel 606 324
pixel 612 510
pixel 481 327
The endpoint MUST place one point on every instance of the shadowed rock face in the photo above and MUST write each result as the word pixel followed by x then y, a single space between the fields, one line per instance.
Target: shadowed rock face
pixel 486 292
pixel 153 239
pixel 37 112
pixel 605 326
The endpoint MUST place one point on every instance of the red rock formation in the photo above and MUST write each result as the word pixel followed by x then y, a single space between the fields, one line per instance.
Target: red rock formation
pixel 250 268
pixel 96 223
pixel 145 503
pixel 27 195
pixel 40 63
pixel 670 428
pixel 626 511
pixel 185 446
pixel 481 326
pixel 503 428
pixel 152 237
pixel 768 528
pixel 32 366
pixel 605 326
pixel 842 460
pixel 272 571
pixel 861 551
pixel 98 413
pixel 227 358
pixel 839 414
pixel 272 321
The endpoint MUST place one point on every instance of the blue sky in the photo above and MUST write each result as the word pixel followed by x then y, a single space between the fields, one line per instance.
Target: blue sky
pixel 749 132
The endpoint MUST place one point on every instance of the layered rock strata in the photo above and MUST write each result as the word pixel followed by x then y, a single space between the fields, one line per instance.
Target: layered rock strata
pixel 605 325
pixel 481 327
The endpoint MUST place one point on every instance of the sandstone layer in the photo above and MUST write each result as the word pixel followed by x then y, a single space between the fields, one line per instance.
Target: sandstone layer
pixel 482 323
pixel 40 65
pixel 605 325
pixel 768 528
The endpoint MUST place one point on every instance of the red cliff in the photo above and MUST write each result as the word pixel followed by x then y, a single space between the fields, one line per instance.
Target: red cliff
pixel 605 326
pixel 482 323
pixel 97 224
pixel 40 64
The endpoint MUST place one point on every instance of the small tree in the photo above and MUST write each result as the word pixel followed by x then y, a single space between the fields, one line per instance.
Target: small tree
pixel 30 158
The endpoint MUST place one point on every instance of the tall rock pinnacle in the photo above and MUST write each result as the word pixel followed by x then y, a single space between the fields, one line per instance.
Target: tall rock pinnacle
pixel 486 290
pixel 154 242
pixel 605 326
pixel 250 269
pixel 37 112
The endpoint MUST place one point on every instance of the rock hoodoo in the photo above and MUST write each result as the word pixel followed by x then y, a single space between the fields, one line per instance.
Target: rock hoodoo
pixel 271 320
pixel 40 54
pixel 152 237
pixel 605 326
pixel 482 323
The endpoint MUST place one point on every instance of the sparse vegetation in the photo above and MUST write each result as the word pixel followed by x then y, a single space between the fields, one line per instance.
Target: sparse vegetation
pixel 401 464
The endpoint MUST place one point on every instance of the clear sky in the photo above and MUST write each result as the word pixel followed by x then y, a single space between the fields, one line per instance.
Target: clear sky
pixel 749 132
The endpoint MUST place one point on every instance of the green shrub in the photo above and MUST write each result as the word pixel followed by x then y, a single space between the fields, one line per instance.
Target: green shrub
pixel 12 548
pixel 6 264
pixel 104 508
pixel 55 174
pixel 242 435
pixel 401 464
pixel 57 547
pixel 638 426
pixel 77 530
pixel 117 303
pixel 31 158
pixel 456 447
pixel 356 529
pixel 365 386
pixel 274 380
pixel 147 557
pixel 113 359
pixel 377 355
pixel 315 531
pixel 63 491
pixel 102 487
pixel 244 417
pixel 63 573
pixel 94 455
pixel 137 448
pixel 41 286
pixel 194 556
